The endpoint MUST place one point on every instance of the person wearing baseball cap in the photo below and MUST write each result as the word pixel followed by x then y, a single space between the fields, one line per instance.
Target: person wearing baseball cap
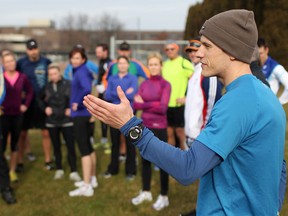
pixel 35 67
pixel 238 155
pixel 31 44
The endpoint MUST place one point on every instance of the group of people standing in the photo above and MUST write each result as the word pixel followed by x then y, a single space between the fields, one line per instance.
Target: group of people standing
pixel 239 154
pixel 175 99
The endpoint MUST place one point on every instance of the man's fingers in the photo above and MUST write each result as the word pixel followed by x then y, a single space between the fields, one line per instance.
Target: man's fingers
pixel 121 94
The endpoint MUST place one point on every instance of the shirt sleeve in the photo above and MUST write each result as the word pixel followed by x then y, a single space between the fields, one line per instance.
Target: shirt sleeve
pixel 188 68
pixel 2 86
pixel 155 106
pixel 68 72
pixel 185 166
pixel 134 85
pixel 282 76
pixel 29 90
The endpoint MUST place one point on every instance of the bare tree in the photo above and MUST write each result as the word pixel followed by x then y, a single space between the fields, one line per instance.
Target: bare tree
pixel 80 28
pixel 75 30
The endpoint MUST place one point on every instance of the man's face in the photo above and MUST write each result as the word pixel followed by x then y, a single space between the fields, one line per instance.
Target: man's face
pixel 193 57
pixel 126 53
pixel 33 54
pixel 263 54
pixel 100 53
pixel 214 60
pixel 171 51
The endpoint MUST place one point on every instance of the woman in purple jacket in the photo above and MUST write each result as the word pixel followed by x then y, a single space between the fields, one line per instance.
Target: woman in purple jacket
pixel 152 98
pixel 81 86
pixel 14 106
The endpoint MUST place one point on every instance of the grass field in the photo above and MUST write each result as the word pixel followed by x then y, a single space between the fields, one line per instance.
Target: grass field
pixel 38 194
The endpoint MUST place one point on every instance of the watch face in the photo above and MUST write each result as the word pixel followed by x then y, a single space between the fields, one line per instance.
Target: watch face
pixel 135 132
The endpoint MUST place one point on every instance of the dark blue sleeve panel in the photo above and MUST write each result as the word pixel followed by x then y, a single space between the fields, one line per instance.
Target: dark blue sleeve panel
pixel 282 186
pixel 185 166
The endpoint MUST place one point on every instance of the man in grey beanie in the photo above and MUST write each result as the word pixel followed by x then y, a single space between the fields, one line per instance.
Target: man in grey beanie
pixel 238 156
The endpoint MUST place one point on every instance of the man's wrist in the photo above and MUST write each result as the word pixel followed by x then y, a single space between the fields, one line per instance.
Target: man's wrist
pixel 131 123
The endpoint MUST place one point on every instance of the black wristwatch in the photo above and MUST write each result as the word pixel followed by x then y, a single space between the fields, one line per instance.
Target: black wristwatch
pixel 135 132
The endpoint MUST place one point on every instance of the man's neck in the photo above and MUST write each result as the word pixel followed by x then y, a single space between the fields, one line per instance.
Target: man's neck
pixel 236 70
pixel 34 59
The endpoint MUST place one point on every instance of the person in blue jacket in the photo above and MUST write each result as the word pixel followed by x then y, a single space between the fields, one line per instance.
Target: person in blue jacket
pixel 239 155
pixel 82 85
pixel 92 67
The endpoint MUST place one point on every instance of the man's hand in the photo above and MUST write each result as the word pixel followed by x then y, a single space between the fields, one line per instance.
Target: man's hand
pixel 74 106
pixel 23 108
pixel 67 112
pixel 138 99
pixel 48 111
pixel 181 100
pixel 115 115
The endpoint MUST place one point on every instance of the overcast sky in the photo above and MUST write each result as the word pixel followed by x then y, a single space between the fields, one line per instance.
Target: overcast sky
pixel 144 15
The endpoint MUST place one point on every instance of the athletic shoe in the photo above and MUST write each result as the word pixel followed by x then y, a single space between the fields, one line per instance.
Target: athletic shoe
pixel 107 175
pixel 74 176
pixel 49 166
pixel 8 196
pixel 191 213
pixel 107 151
pixel 30 156
pixel 84 190
pixel 94 182
pixel 130 177
pixel 92 140
pixel 156 168
pixel 13 176
pixel 96 145
pixel 143 196
pixel 103 140
pixel 161 202
pixel 59 174
pixel 20 168
pixel 81 183
pixel 122 158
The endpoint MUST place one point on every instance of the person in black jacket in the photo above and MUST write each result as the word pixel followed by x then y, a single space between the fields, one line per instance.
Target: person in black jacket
pixel 54 100
pixel 102 54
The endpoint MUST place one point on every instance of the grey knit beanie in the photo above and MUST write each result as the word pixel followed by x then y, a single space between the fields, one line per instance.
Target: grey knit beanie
pixel 234 31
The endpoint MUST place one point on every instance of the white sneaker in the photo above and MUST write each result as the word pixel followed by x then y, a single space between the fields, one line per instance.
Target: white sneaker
pixel 143 196
pixel 162 202
pixel 84 190
pixel 94 184
pixel 103 140
pixel 59 174
pixel 74 176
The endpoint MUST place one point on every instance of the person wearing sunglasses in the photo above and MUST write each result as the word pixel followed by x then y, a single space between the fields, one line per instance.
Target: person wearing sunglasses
pixel 177 71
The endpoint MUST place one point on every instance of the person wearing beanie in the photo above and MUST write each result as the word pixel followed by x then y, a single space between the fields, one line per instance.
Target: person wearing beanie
pixel 202 94
pixel 238 155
